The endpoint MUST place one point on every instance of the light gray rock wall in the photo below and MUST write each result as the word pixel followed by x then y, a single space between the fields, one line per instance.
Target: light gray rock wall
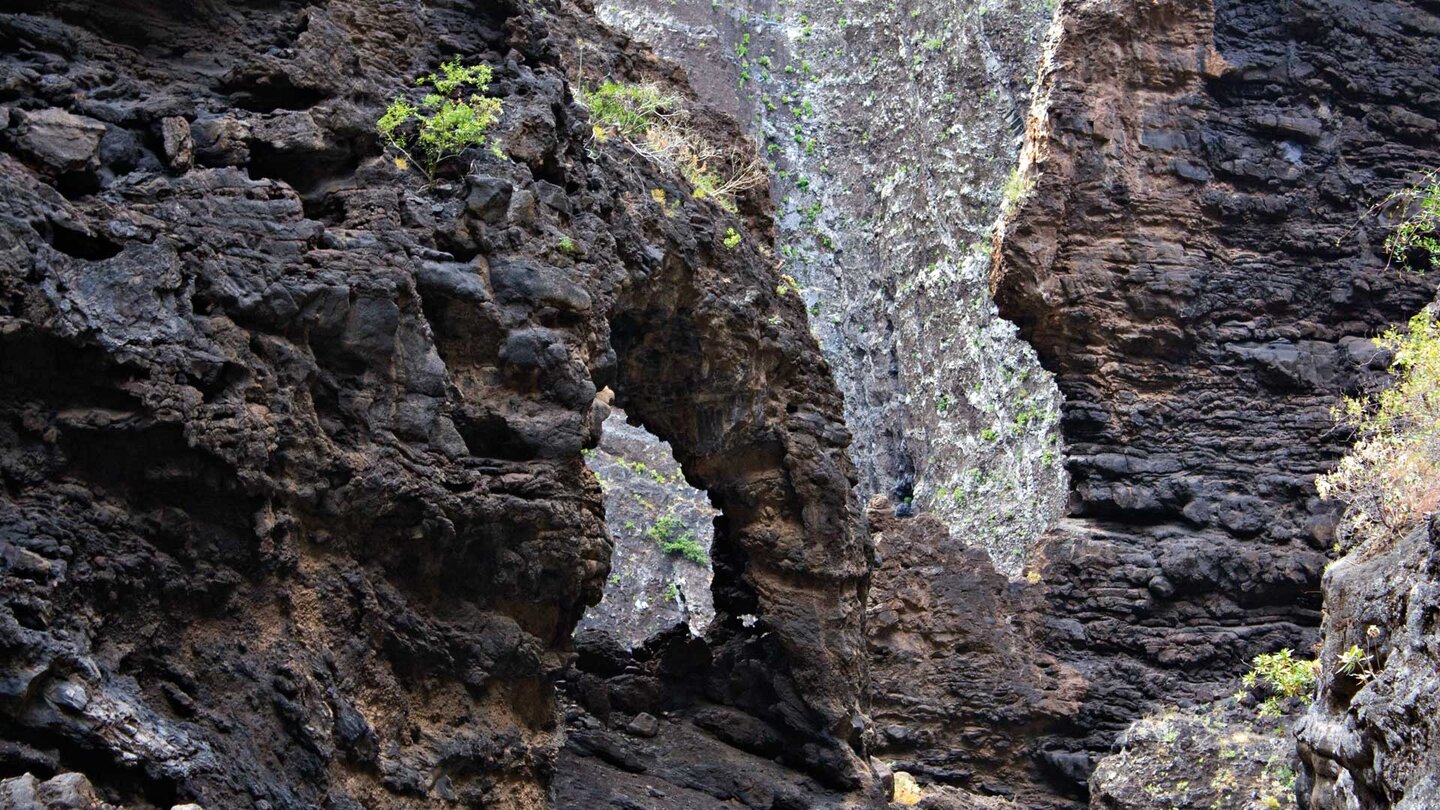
pixel 893 130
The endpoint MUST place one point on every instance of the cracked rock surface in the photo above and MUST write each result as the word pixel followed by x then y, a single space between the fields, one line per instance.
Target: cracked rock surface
pixel 292 505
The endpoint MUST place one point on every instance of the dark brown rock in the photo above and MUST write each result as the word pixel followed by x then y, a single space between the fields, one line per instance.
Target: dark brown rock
pixel 959 679
pixel 1193 264
pixel 293 509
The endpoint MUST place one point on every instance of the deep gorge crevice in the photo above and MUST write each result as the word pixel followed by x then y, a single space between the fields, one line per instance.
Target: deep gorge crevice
pixel 296 510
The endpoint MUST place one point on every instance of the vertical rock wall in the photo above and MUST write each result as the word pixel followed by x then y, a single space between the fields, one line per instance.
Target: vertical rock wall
pixel 1193 266
pixel 1371 739
pixel 893 131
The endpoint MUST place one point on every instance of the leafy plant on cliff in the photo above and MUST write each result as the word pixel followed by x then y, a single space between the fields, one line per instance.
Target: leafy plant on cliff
pixel 656 126
pixel 1280 676
pixel 455 115
pixel 670 533
pixel 1391 477
pixel 1415 243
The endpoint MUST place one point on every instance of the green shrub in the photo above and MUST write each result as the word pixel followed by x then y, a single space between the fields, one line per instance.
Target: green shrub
pixel 670 533
pixel 1280 676
pixel 655 125
pixel 630 109
pixel 1391 477
pixel 456 115
pixel 1017 185
pixel 1415 243
pixel 1355 663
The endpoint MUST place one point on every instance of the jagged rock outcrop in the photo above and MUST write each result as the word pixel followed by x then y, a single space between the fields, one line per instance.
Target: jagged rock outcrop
pixel 292 504
pixel 1372 737
pixel 1191 262
pixel 645 730
pixel 66 791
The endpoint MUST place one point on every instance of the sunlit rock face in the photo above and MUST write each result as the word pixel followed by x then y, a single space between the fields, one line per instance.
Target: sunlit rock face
pixel 894 131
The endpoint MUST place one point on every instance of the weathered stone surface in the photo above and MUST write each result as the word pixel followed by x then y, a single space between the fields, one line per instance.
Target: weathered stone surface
pixel 1192 264
pixel 177 143
pixel 293 507
pixel 682 767
pixel 60 142
pixel 959 681
pixel 1372 737
pixel 1220 756
pixel 66 791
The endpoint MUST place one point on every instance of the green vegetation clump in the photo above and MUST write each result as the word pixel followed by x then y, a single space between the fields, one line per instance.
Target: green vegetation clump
pixel 656 125
pixel 454 116
pixel 1391 477
pixel 1281 676
pixel 1017 185
pixel 732 239
pixel 630 110
pixel 670 534
pixel 1355 663
pixel 1415 243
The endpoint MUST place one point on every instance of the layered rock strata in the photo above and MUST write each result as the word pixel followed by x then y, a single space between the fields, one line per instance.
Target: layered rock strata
pixel 1192 262
pixel 293 508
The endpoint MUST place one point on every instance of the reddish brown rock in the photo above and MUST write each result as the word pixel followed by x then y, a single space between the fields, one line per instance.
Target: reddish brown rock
pixel 959 680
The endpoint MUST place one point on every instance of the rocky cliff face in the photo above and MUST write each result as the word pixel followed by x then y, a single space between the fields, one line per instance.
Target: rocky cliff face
pixel 1192 265
pixel 294 508
pixel 294 511
pixel 1370 739
pixel 892 131
pixel 960 683
pixel 660 570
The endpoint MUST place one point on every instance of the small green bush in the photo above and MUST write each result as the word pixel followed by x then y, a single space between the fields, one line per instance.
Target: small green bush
pixel 456 115
pixel 670 534
pixel 655 125
pixel 1281 676
pixel 630 109
pixel 732 239
pixel 1355 663
pixel 1415 243
pixel 1391 477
